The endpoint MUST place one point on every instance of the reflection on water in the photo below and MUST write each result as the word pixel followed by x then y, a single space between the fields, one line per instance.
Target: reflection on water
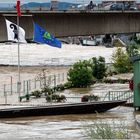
pixel 60 127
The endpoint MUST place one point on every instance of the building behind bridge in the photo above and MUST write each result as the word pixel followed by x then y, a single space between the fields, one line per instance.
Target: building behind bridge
pixel 124 3
pixel 106 2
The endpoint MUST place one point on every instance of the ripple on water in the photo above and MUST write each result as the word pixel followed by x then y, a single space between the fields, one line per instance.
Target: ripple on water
pixel 60 127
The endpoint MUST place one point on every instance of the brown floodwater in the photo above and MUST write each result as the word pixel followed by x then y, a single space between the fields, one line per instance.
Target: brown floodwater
pixel 63 127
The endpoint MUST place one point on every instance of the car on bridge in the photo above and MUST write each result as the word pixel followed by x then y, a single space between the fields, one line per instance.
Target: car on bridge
pixel 134 8
pixel 122 7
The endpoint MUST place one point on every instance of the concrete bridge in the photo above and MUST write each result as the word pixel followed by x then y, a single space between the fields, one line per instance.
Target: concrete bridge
pixel 74 23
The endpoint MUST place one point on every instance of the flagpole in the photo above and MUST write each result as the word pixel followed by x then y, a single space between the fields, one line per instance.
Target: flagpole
pixel 19 83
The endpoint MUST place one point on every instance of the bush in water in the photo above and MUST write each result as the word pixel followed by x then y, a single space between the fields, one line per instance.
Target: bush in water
pixel 108 130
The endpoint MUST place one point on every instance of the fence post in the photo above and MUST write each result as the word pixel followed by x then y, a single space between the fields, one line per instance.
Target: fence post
pixel 35 83
pixel 11 84
pixel 49 81
pixel 29 86
pixel 118 95
pixel 24 87
pixel 27 94
pixel 18 90
pixel 44 81
pixel 62 77
pixel 40 82
pixel 44 78
pixel 5 94
pixel 58 79
pixel 54 80
pixel 109 96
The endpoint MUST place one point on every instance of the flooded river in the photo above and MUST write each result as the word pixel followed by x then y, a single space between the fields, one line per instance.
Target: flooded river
pixel 66 127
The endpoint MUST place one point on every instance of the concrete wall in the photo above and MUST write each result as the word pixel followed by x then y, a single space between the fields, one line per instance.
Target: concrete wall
pixel 77 23
pixel 70 24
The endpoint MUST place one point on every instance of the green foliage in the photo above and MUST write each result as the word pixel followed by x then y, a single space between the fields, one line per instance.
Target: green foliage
pixel 55 98
pixel 98 67
pixel 94 98
pixel 121 61
pixel 60 87
pixel 101 130
pixel 83 73
pixel 90 98
pixel 67 85
pixel 135 39
pixel 122 81
pixel 36 93
pixel 117 43
pixel 47 90
pixel 132 50
pixel 80 75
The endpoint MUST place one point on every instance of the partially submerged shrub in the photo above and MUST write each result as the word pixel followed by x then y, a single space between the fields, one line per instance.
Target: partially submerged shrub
pixel 90 98
pixel 47 90
pixel 105 130
pixel 60 87
pixel 56 98
pixel 121 61
pixel 111 81
pixel 68 85
pixel 36 93
pixel 80 74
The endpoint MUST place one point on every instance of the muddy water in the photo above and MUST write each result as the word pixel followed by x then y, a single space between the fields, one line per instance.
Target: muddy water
pixel 67 127
pixel 26 73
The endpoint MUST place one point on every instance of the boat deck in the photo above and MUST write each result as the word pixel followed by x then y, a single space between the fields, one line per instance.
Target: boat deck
pixel 60 109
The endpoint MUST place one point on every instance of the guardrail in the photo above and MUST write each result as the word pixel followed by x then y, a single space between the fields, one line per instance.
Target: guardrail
pixel 9 92
pixel 119 95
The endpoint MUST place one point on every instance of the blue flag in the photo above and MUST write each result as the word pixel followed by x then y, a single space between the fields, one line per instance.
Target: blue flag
pixel 42 36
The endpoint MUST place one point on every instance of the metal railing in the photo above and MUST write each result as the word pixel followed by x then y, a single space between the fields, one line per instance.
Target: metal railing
pixel 9 92
pixel 119 95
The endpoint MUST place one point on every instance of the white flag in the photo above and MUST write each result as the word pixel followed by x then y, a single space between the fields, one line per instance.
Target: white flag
pixel 12 32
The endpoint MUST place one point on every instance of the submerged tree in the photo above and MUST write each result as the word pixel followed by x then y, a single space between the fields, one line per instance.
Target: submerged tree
pixel 134 45
pixel 132 49
pixel 80 75
pixel 121 61
pixel 98 67
pixel 84 73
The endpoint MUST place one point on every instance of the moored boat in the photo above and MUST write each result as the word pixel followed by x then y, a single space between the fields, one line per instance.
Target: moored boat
pixel 60 109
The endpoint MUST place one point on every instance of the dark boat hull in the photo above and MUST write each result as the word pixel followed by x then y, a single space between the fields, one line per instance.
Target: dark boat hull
pixel 63 109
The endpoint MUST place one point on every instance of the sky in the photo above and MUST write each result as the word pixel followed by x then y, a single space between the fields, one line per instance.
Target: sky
pixel 72 1
pixel 25 1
